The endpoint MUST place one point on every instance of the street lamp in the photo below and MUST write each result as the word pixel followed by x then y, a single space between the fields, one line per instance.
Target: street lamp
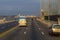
pixel 49 11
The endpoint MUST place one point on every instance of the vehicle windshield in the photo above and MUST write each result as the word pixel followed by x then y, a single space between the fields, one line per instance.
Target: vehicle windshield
pixel 57 26
pixel 22 18
pixel 29 19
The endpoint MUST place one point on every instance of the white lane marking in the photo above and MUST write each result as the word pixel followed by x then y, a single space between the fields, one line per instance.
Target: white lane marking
pixel 24 32
pixel 42 33
pixel 37 25
pixel 39 28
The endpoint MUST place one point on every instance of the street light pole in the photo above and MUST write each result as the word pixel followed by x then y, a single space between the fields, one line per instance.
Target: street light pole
pixel 49 11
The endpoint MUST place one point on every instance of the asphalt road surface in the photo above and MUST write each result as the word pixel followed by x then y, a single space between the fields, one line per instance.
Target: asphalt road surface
pixel 7 26
pixel 34 31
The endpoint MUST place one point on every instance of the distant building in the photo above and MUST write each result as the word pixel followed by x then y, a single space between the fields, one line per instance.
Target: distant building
pixel 50 6
pixel 58 6
pixel 44 4
pixel 53 7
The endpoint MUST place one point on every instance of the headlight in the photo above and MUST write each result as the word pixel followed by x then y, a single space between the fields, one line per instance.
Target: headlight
pixel 54 29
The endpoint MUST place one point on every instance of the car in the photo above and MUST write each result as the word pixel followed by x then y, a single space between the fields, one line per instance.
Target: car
pixel 54 29
pixel 22 22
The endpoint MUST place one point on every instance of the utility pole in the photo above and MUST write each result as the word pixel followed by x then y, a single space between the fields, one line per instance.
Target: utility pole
pixel 49 11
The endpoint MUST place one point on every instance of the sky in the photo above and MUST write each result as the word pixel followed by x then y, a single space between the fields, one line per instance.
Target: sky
pixel 23 7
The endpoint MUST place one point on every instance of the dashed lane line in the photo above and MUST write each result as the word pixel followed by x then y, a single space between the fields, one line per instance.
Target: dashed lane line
pixel 42 33
pixel 39 28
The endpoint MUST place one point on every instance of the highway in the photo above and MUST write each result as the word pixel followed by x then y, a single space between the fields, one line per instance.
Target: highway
pixel 7 26
pixel 34 31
